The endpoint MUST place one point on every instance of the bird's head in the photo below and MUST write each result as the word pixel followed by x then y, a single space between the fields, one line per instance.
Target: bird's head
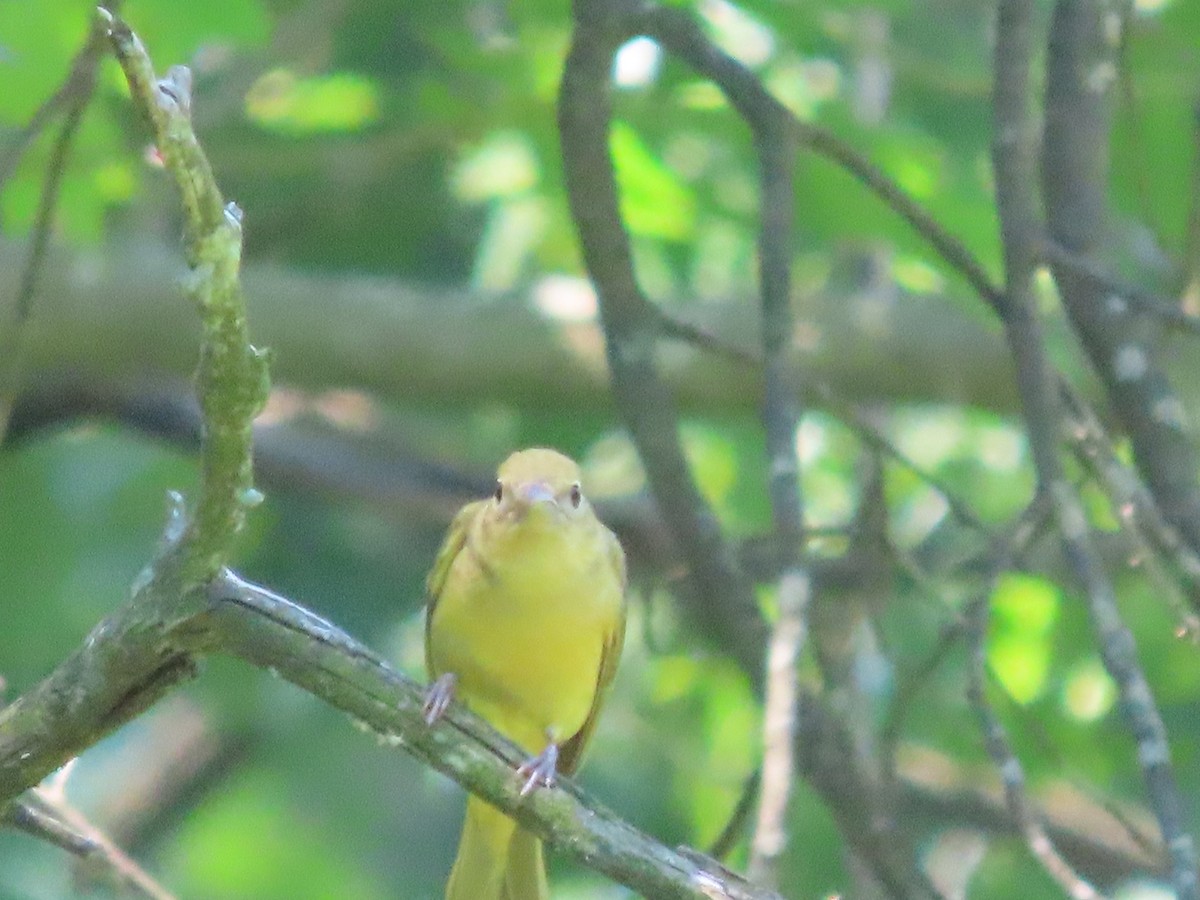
pixel 539 485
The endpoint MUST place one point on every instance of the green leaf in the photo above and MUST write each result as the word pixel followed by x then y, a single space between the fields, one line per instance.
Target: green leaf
pixel 341 101
pixel 247 841
pixel 175 37
pixel 1025 609
pixel 39 41
pixel 655 202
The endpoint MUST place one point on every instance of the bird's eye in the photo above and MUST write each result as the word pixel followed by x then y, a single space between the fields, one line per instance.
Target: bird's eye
pixel 499 495
pixel 576 495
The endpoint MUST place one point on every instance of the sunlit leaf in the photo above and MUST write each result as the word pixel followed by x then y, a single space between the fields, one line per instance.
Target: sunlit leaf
pixel 654 200
pixel 1088 692
pixel 505 165
pixel 329 103
pixel 1024 610
pixel 38 41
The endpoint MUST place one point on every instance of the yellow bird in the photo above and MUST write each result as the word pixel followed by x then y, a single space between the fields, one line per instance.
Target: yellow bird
pixel 525 624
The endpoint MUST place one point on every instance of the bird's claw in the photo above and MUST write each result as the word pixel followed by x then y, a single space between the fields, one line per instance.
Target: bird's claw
pixel 438 697
pixel 539 771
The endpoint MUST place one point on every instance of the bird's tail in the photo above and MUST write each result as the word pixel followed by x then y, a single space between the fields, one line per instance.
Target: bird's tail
pixel 525 877
pixel 496 860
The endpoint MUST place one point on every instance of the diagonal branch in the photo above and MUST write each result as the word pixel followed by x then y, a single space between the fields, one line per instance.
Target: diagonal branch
pixel 677 30
pixel 28 815
pixel 50 799
pixel 74 95
pixel 1029 820
pixel 240 619
pixel 1147 301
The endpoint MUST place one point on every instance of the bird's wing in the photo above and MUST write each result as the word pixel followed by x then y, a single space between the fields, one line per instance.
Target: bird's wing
pixel 456 540
pixel 571 752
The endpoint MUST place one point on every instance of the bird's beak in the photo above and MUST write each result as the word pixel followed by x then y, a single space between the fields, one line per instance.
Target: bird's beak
pixel 531 493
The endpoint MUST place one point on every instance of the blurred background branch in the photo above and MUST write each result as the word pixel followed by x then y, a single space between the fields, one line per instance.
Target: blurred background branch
pixel 70 100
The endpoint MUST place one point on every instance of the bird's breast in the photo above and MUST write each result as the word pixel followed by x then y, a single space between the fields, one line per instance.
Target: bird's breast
pixel 523 624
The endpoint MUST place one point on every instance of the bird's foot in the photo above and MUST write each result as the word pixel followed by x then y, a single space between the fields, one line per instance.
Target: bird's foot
pixel 438 697
pixel 540 771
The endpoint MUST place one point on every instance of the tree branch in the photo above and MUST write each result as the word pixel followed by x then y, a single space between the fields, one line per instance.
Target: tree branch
pixel 51 801
pixel 1134 506
pixel 1014 152
pixel 1029 820
pixel 1155 305
pixel 240 619
pixel 730 618
pixel 1014 156
pixel 1080 73
pixel 92 693
pixel 105 315
pixel 232 380
pixel 75 94
pixel 27 815
pixel 781 419
pixel 677 30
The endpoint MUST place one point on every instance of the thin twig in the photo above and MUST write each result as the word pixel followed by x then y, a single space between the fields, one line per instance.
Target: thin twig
pixel 1013 546
pixel 115 861
pixel 780 726
pixel 75 91
pixel 781 418
pixel 1136 509
pixel 232 375
pixel 679 32
pixel 1163 308
pixel 843 410
pixel 1052 757
pixel 677 329
pixel 871 435
pixel 724 843
pixel 908 685
pixel 75 94
pixel 44 812
pixel 27 815
pixel 1028 821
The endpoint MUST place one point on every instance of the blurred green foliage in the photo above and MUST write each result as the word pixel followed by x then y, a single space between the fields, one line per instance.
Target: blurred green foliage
pixel 418 140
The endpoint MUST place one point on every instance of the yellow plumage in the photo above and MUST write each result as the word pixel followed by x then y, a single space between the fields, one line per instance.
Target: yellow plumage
pixel 525 625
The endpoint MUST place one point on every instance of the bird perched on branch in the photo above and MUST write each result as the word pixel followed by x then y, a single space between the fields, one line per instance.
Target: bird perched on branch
pixel 525 625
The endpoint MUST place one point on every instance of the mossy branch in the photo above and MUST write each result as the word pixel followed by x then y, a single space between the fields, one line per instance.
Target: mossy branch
pixel 231 379
pixel 187 603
